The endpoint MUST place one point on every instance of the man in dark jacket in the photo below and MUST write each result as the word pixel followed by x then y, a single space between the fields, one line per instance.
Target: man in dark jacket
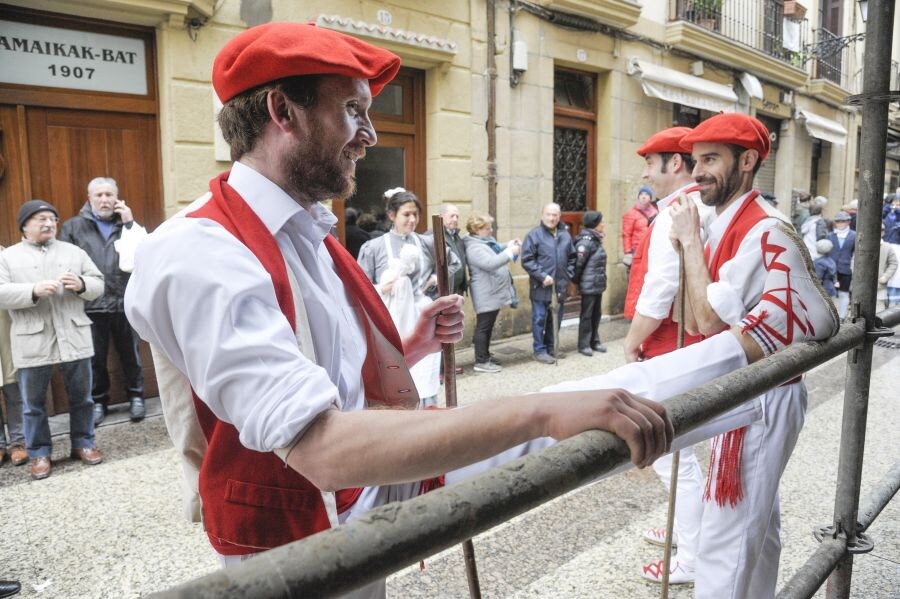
pixel 549 259
pixel 450 215
pixel 96 229
pixel 590 275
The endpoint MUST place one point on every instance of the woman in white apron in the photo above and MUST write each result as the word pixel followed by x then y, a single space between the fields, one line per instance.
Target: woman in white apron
pixel 401 265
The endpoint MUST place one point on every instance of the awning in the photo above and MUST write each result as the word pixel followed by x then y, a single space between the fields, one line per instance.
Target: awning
pixel 752 85
pixel 673 86
pixel 822 128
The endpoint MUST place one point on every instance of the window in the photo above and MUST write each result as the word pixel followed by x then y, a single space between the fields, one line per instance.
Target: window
pixel 573 144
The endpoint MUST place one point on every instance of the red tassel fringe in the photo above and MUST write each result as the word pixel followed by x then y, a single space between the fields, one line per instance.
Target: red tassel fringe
pixel 729 448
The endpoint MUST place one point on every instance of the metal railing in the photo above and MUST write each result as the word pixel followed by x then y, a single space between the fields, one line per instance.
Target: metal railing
pixel 759 25
pixel 400 534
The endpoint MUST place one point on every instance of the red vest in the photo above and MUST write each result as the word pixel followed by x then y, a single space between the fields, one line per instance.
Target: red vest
pixel 729 447
pixel 665 338
pixel 252 501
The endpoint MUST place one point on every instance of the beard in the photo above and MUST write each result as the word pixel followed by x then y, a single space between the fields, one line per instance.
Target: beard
pixel 104 213
pixel 719 194
pixel 316 175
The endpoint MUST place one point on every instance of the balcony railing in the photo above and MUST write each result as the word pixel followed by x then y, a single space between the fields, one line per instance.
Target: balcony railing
pixel 833 59
pixel 759 25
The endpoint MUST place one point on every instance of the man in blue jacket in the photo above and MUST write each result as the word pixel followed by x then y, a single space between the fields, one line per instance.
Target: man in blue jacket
pixel 548 257
pixel 843 240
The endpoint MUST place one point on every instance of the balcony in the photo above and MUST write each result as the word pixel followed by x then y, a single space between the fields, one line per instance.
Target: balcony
pixel 749 34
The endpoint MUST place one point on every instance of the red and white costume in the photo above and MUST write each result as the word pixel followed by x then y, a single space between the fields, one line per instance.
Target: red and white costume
pixel 652 288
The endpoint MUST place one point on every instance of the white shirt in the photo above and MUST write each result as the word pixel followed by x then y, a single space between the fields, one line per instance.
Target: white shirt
pixel 661 281
pixel 203 298
pixel 741 279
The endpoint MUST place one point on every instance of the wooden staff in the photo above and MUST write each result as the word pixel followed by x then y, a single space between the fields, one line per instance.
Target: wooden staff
pixel 673 477
pixel 449 360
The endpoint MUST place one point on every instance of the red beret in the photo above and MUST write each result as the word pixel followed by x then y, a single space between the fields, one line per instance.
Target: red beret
pixel 731 128
pixel 667 140
pixel 277 50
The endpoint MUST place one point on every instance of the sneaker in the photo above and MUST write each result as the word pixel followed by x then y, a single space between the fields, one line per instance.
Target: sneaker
pixel 558 354
pixel 586 352
pixel 599 347
pixel 657 536
pixel 494 360
pixel 678 574
pixel 794 307
pixel 487 367
pixel 544 358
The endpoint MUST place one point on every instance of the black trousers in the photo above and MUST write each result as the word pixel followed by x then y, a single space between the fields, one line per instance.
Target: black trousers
pixel 589 321
pixel 114 325
pixel 484 327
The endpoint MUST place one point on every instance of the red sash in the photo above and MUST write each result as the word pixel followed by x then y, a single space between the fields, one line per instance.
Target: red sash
pixel 729 447
pixel 251 500
pixel 665 338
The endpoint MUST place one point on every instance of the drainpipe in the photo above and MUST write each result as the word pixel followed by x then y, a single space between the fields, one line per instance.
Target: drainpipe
pixel 491 122
pixel 874 101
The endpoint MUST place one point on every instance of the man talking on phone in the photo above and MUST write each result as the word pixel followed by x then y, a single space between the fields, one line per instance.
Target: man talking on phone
pixel 98 229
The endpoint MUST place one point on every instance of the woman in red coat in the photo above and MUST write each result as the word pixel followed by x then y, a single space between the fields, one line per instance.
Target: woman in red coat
pixel 635 223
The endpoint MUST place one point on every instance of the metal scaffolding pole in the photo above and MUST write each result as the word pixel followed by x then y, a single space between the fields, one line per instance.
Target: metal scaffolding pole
pixel 393 536
pixel 874 100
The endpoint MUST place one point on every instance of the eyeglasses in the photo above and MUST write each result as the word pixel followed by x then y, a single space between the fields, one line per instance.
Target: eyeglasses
pixel 46 219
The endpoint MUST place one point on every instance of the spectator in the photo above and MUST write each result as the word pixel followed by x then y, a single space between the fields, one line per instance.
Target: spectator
pixel 814 228
pixel 457 249
pixel 404 277
pixel 590 276
pixel 105 229
pixel 635 223
pixel 369 224
pixel 851 209
pixel 549 259
pixel 799 209
pixel 826 269
pixel 15 443
pixel 44 283
pixel 354 235
pixel 843 240
pixel 491 284
pixel 887 266
pixel 891 221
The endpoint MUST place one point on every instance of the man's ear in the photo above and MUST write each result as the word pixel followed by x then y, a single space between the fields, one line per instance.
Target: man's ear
pixel 748 161
pixel 676 162
pixel 279 108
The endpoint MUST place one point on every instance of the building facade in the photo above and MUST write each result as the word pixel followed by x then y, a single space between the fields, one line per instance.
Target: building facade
pixel 501 107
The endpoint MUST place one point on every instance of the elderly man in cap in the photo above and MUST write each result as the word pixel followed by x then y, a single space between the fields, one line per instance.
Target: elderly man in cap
pixel 650 304
pixel 44 283
pixel 753 272
pixel 272 342
pixel 843 246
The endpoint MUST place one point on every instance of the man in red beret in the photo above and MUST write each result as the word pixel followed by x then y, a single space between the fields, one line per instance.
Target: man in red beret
pixel 270 342
pixel 753 272
pixel 650 303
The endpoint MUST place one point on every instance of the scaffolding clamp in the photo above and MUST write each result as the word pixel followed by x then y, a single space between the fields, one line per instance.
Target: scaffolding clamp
pixel 862 543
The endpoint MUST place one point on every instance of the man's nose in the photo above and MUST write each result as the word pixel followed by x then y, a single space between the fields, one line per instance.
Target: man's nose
pixel 367 135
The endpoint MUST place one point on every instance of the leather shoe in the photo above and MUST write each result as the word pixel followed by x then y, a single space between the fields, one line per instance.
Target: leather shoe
pixel 40 468
pixel 137 411
pixel 99 413
pixel 8 588
pixel 599 347
pixel 18 455
pixel 586 352
pixel 88 455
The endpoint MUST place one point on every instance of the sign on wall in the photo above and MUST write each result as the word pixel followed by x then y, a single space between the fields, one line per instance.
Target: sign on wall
pixel 66 58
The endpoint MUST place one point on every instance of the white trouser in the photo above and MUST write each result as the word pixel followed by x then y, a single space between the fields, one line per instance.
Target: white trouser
pixel 688 501
pixel 740 546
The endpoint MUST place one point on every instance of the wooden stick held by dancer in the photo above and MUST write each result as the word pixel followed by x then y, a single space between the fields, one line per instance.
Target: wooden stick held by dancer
pixel 449 360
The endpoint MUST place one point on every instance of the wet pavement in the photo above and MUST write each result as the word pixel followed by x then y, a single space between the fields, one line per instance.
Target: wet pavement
pixel 116 530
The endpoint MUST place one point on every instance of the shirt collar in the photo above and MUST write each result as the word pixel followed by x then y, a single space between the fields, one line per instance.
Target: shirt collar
pixel 664 203
pixel 718 227
pixel 275 207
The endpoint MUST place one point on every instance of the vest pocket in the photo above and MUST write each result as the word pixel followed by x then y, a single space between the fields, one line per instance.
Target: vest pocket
pixel 278 498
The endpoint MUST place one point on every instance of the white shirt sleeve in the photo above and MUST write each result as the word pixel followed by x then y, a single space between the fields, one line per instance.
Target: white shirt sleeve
pixel 741 279
pixel 205 300
pixel 661 280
